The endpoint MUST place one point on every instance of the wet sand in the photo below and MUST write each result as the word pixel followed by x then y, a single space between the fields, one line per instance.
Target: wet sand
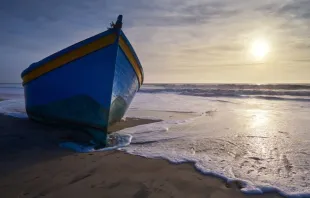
pixel 32 165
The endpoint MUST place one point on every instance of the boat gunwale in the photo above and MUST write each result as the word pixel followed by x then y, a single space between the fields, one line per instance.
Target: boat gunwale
pixel 66 50
pixel 127 42
pixel 77 46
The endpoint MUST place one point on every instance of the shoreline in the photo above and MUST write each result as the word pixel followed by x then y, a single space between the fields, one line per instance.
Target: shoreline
pixel 37 166
pixel 116 174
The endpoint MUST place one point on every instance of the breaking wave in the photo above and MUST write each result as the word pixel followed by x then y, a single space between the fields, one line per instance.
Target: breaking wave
pixel 268 92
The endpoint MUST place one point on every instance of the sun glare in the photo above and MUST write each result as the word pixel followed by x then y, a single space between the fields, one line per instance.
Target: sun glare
pixel 260 49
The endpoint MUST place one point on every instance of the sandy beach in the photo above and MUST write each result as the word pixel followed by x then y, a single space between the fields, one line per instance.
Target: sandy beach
pixel 33 165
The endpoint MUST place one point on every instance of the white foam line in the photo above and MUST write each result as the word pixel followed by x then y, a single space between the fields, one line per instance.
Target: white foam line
pixel 141 117
pixel 247 186
pixel 123 140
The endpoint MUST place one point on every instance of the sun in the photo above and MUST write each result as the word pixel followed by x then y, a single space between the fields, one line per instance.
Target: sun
pixel 260 49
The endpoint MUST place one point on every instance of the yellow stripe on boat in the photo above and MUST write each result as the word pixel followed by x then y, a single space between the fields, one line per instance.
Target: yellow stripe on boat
pixel 131 58
pixel 82 51
pixel 68 57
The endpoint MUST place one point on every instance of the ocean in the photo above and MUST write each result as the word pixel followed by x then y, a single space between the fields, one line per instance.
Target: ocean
pixel 256 134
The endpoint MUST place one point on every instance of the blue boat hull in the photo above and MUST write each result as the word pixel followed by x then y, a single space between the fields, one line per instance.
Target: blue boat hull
pixel 91 92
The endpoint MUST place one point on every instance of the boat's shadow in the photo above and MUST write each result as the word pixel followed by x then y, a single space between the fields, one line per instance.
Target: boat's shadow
pixel 24 142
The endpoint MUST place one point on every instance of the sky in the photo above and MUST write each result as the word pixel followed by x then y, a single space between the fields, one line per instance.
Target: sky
pixel 177 41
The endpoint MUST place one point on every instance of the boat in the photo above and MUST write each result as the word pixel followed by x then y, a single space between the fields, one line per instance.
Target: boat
pixel 88 85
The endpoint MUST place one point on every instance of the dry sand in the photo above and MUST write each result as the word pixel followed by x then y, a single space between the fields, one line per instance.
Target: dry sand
pixel 32 165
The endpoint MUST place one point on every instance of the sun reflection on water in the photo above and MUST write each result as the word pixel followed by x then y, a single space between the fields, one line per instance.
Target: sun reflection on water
pixel 258 133
pixel 259 117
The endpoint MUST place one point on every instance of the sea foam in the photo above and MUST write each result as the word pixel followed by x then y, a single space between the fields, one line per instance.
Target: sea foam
pixel 119 141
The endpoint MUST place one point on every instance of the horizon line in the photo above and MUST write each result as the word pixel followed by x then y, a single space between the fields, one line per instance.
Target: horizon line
pixel 223 83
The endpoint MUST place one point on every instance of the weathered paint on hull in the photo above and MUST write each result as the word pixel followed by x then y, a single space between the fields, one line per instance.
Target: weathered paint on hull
pixel 88 85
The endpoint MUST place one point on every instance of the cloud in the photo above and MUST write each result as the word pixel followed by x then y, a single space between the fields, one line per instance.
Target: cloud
pixel 297 9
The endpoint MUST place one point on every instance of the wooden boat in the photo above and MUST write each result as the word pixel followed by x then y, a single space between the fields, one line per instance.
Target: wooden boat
pixel 88 85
